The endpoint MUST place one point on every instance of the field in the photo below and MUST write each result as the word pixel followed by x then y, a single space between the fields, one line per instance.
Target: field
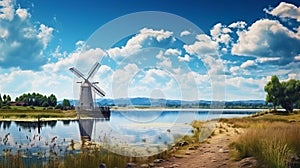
pixel 30 112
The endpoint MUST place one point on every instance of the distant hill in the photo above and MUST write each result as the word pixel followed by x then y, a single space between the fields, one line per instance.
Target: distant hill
pixel 143 101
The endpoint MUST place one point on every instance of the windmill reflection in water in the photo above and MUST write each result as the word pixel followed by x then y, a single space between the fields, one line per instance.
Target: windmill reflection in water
pixel 87 111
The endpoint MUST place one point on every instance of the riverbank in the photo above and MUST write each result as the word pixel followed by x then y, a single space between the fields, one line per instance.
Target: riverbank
pixel 264 140
pixel 27 114
pixel 210 143
pixel 36 114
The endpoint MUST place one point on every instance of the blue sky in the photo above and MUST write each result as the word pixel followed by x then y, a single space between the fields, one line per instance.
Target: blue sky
pixel 212 50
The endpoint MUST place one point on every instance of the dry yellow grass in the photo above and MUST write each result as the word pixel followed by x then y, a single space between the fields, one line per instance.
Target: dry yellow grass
pixel 272 139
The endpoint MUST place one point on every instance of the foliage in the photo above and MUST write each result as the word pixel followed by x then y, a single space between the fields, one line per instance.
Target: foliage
pixel 286 93
pixel 37 99
pixel 65 105
pixel 1 101
pixel 5 100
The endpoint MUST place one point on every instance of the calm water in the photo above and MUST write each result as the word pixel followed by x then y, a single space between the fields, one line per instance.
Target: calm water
pixel 126 132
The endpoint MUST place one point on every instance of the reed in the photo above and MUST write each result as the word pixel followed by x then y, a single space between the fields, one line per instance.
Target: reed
pixel 272 143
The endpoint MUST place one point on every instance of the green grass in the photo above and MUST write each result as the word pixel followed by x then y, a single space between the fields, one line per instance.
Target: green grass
pixel 27 108
pixel 17 112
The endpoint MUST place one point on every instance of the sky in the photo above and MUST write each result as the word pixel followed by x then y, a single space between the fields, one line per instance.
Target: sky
pixel 174 49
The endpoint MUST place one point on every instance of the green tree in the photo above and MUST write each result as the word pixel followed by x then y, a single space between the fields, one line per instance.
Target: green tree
pixel 274 91
pixel 4 100
pixel 1 101
pixel 52 100
pixel 45 104
pixel 8 100
pixel 286 94
pixel 66 104
pixel 37 99
pixel 291 92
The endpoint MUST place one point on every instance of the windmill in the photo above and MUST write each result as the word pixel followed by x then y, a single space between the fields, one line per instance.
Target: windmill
pixel 86 106
pixel 86 96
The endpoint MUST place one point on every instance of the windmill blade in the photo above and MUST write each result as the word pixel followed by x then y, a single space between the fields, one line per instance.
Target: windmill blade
pixel 99 91
pixel 77 73
pixel 93 70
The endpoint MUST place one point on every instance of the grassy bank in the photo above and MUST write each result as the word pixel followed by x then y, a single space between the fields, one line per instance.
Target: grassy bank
pixel 273 139
pixel 19 112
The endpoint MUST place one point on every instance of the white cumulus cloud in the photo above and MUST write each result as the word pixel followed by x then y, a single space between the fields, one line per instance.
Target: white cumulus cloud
pixel 172 51
pixel 268 38
pixel 286 10
pixel 238 25
pixel 135 44
pixel 7 10
pixel 185 33
pixel 79 58
pixel 266 59
pixel 186 58
pixel 204 45
pixel 248 63
pixel 22 13
pixel 22 42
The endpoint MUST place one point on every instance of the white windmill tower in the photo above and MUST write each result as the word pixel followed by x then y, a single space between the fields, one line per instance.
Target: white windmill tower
pixel 86 102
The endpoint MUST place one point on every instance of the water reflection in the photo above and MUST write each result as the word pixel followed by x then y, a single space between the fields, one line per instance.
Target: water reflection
pixel 135 133
pixel 86 127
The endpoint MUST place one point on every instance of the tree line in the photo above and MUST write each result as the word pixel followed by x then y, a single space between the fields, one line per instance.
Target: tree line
pixel 285 94
pixel 35 99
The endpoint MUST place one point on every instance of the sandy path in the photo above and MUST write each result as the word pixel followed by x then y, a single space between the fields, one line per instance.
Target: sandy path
pixel 211 154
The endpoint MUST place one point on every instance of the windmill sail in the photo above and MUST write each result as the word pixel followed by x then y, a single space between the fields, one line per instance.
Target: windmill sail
pixel 99 91
pixel 93 70
pixel 77 73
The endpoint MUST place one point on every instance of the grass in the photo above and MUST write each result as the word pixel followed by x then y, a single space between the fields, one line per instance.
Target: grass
pixel 271 138
pixel 18 112
pixel 27 108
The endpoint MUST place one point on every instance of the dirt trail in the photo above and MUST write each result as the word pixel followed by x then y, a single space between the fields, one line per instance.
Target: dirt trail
pixel 211 154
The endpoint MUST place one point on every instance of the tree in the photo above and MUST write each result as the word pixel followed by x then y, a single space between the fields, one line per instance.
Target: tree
pixel 52 100
pixel 1 101
pixel 291 94
pixel 37 99
pixel 273 89
pixel 286 94
pixel 66 104
pixel 8 100
pixel 45 104
pixel 4 100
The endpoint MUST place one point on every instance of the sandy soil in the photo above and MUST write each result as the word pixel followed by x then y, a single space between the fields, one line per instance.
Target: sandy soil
pixel 212 153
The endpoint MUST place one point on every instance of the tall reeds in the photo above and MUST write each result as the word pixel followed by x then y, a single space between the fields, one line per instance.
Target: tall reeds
pixel 272 143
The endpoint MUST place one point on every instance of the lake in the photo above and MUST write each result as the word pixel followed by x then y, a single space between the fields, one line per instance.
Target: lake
pixel 130 133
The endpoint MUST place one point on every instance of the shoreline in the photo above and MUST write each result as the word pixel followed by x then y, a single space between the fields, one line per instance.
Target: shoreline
pixel 41 120
pixel 14 116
